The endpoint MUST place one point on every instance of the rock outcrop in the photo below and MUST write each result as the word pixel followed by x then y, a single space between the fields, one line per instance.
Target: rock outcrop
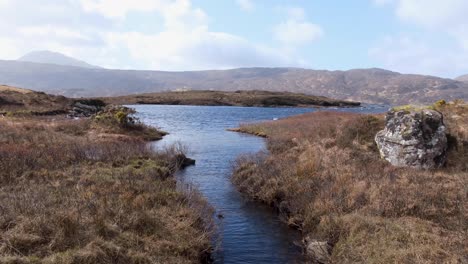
pixel 413 138
pixel 86 107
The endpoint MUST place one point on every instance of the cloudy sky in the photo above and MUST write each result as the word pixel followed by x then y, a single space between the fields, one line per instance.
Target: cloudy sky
pixel 410 36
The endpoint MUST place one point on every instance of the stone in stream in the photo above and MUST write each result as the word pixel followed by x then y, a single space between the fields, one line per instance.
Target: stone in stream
pixel 183 161
pixel 413 138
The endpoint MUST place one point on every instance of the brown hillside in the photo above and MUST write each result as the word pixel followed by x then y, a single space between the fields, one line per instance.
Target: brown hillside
pixel 364 85
pixel 13 99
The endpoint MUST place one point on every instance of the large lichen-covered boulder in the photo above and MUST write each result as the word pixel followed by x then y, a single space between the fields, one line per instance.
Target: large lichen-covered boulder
pixel 413 138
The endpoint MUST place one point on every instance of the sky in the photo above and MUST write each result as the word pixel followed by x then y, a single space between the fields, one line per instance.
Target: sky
pixel 408 36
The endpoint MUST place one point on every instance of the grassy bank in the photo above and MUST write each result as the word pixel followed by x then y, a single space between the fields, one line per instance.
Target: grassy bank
pixel 239 98
pixel 91 191
pixel 324 174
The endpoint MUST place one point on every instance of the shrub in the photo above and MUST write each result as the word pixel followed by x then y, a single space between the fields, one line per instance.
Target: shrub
pixel 121 120
pixel 119 116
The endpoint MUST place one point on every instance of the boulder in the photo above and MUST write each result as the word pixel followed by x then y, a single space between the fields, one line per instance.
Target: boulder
pixel 86 107
pixel 183 161
pixel 413 138
pixel 318 250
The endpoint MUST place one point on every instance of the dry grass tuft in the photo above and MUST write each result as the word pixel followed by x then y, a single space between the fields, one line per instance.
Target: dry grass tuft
pixel 69 197
pixel 4 88
pixel 324 174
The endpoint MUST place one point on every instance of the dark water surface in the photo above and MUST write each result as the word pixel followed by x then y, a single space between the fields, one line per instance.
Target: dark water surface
pixel 249 232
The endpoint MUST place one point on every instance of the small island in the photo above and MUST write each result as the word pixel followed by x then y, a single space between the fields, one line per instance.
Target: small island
pixel 238 98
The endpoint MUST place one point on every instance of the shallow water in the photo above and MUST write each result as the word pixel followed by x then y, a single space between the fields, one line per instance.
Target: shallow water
pixel 249 232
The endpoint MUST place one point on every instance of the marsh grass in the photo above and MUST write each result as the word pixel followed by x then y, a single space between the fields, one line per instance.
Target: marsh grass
pixel 67 196
pixel 324 175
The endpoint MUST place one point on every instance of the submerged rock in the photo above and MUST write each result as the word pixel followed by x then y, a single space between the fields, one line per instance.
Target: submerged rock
pixel 414 139
pixel 183 161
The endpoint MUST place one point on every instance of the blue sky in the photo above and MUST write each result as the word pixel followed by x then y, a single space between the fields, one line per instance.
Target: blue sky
pixel 409 36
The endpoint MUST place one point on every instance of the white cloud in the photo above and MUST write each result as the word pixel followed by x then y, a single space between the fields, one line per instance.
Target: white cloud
pixel 409 55
pixel 433 13
pixel 296 30
pixel 119 8
pixel 296 33
pixel 196 50
pixel 177 14
pixel 8 49
pixel 101 32
pixel 246 5
pixel 444 49
pixel 187 43
pixel 49 31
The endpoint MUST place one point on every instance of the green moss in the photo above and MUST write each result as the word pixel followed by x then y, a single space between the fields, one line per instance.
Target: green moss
pixel 440 103
pixel 413 108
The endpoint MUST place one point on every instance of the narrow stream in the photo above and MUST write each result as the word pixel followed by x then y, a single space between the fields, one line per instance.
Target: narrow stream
pixel 249 231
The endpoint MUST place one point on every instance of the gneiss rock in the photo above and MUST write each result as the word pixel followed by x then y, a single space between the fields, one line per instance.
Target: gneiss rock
pixel 413 138
pixel 86 107
pixel 318 250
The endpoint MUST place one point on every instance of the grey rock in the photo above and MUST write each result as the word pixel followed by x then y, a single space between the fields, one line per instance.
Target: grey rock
pixel 318 250
pixel 183 161
pixel 86 108
pixel 414 139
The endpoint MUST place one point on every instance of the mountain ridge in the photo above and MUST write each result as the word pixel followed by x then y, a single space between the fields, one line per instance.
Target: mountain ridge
pixel 366 85
pixel 51 57
pixel 462 78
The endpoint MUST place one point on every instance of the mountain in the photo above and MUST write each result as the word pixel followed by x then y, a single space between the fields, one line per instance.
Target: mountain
pixel 463 78
pixel 45 56
pixel 365 85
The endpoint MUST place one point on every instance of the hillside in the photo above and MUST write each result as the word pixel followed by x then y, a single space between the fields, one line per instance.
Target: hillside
pixel 238 98
pixel 14 99
pixel 45 56
pixel 365 85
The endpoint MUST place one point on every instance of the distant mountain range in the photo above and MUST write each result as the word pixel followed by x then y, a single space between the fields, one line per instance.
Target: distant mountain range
pixel 366 85
pixel 463 78
pixel 50 57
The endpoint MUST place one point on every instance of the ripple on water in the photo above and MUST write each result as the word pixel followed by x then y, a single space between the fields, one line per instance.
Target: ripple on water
pixel 249 232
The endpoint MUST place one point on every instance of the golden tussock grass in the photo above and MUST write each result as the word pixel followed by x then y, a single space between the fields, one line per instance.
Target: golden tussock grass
pixel 14 89
pixel 67 196
pixel 324 174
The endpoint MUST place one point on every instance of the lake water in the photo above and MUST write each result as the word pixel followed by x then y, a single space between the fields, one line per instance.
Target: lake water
pixel 249 232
